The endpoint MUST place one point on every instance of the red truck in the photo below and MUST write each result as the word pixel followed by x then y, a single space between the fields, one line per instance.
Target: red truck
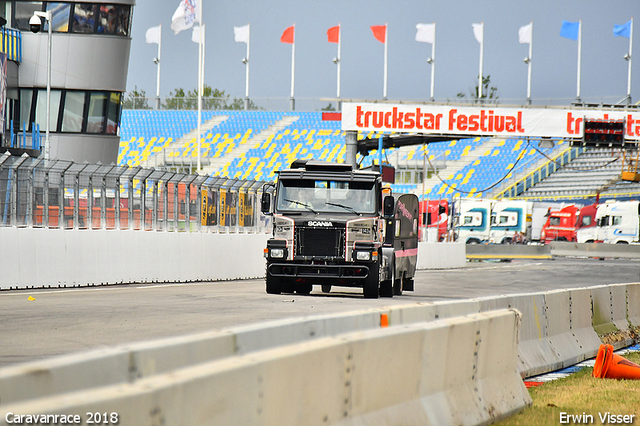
pixel 570 224
pixel 434 215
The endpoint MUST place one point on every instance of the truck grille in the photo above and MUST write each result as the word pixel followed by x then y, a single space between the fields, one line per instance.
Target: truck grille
pixel 319 242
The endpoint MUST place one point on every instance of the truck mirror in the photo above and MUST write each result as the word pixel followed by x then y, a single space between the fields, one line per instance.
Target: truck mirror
pixel 265 203
pixel 389 205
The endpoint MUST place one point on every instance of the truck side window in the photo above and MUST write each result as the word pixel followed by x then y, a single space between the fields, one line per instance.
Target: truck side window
pixel 616 220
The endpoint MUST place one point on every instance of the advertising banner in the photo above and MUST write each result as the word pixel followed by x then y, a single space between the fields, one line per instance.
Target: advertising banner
pixel 489 120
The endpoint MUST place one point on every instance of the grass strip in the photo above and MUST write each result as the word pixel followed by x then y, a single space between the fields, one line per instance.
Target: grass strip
pixel 589 400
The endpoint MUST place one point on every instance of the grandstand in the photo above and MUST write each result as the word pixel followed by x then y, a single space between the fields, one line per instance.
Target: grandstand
pixel 252 145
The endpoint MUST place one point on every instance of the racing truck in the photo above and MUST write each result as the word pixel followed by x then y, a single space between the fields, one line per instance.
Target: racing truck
pixel 336 226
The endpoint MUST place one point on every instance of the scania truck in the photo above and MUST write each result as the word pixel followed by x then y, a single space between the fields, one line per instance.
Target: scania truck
pixel 334 226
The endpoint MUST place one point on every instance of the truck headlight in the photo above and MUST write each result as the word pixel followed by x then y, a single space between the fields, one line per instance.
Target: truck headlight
pixel 277 253
pixel 363 255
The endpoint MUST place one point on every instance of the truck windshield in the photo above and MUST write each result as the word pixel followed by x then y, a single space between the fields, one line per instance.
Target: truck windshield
pixel 326 196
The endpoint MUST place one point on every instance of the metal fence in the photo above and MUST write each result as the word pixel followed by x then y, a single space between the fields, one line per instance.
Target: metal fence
pixel 62 194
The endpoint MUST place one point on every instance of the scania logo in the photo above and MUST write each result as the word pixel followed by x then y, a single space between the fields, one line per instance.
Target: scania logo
pixel 319 223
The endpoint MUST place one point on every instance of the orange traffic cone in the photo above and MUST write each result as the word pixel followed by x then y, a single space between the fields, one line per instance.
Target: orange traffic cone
pixel 612 366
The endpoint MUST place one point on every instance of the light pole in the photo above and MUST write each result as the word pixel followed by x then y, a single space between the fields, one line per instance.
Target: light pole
pixel 35 24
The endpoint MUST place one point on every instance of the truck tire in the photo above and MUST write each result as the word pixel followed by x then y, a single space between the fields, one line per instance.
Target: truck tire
pixel 304 288
pixel 274 285
pixel 372 283
pixel 387 286
pixel 398 285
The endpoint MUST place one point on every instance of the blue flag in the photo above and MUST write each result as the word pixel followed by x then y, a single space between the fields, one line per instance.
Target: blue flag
pixel 623 30
pixel 570 30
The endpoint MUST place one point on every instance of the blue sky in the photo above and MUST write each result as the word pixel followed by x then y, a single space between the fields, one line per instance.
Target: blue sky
pixel 554 66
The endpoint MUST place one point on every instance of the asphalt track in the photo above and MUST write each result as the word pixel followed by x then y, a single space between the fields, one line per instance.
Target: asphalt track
pixel 36 324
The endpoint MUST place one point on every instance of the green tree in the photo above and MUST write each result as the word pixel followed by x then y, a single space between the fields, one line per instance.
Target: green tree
pixel 136 99
pixel 489 93
pixel 329 107
pixel 177 100
pixel 212 99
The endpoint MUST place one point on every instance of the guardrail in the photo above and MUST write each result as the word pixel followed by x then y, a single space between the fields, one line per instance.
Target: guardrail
pixel 460 363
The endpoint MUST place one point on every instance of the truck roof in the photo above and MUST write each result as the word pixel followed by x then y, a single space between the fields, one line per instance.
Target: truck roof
pixel 314 169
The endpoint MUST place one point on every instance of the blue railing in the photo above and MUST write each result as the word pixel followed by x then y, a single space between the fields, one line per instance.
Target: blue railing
pixel 19 140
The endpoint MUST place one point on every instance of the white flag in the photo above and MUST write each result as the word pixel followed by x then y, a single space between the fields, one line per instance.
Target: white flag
pixel 241 34
pixel 153 35
pixel 426 33
pixel 478 31
pixel 184 16
pixel 525 33
pixel 195 36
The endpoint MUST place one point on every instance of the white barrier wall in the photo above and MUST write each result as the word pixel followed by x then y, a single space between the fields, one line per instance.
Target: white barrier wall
pixel 35 257
pixel 455 371
pixel 38 257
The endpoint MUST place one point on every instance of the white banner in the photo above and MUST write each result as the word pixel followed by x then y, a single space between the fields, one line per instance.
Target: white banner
pixel 475 121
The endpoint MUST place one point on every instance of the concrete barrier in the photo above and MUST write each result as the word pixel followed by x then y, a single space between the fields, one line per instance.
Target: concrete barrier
pixel 625 251
pixel 507 251
pixel 441 255
pixel 451 371
pixel 67 258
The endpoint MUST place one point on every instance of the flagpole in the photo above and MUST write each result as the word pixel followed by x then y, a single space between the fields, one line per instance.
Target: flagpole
pixel 386 38
pixel 246 85
pixel 629 58
pixel 433 59
pixel 579 57
pixel 529 66
pixel 481 56
pixel 338 63
pixel 200 82
pixel 293 68
pixel 158 76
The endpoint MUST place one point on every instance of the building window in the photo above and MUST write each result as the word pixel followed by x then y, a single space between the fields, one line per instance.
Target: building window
pixel 23 11
pixel 72 120
pixel 41 110
pixel 60 13
pixel 84 18
pixel 97 107
pixel 79 18
pixel 113 114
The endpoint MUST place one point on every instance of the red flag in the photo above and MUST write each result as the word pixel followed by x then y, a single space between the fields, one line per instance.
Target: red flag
pixel 287 35
pixel 380 33
pixel 333 34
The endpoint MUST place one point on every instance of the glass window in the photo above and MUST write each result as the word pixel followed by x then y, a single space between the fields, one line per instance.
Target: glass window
pixel 554 221
pixel 84 18
pixel 113 115
pixel 23 12
pixel 60 13
pixel 73 110
pixel 124 16
pixel 586 221
pixel 26 96
pixel 107 19
pixel 617 220
pixel 41 110
pixel 97 107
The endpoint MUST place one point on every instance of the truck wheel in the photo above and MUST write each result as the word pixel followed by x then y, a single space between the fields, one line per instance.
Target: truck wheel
pixel 398 285
pixel 326 288
pixel 372 283
pixel 304 288
pixel 387 286
pixel 273 285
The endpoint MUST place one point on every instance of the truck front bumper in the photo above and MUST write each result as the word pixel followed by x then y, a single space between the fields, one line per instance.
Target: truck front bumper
pixel 319 271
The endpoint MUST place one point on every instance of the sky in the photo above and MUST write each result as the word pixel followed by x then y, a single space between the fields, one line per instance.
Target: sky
pixel 554 60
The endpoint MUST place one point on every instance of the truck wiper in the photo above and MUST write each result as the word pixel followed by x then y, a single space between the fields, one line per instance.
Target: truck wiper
pixel 305 205
pixel 351 209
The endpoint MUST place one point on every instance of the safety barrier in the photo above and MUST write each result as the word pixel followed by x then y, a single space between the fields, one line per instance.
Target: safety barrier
pixel 558 329
pixel 555 249
pixel 68 258
pixel 452 371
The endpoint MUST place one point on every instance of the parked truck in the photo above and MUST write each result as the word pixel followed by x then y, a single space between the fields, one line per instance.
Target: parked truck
pixel 511 222
pixel 335 226
pixel 474 221
pixel 434 220
pixel 561 225
pixel 618 222
pixel 587 231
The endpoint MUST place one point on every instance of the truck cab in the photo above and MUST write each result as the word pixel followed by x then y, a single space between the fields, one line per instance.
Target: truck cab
pixel 561 225
pixel 474 223
pixel 511 222
pixel 618 222
pixel 332 226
